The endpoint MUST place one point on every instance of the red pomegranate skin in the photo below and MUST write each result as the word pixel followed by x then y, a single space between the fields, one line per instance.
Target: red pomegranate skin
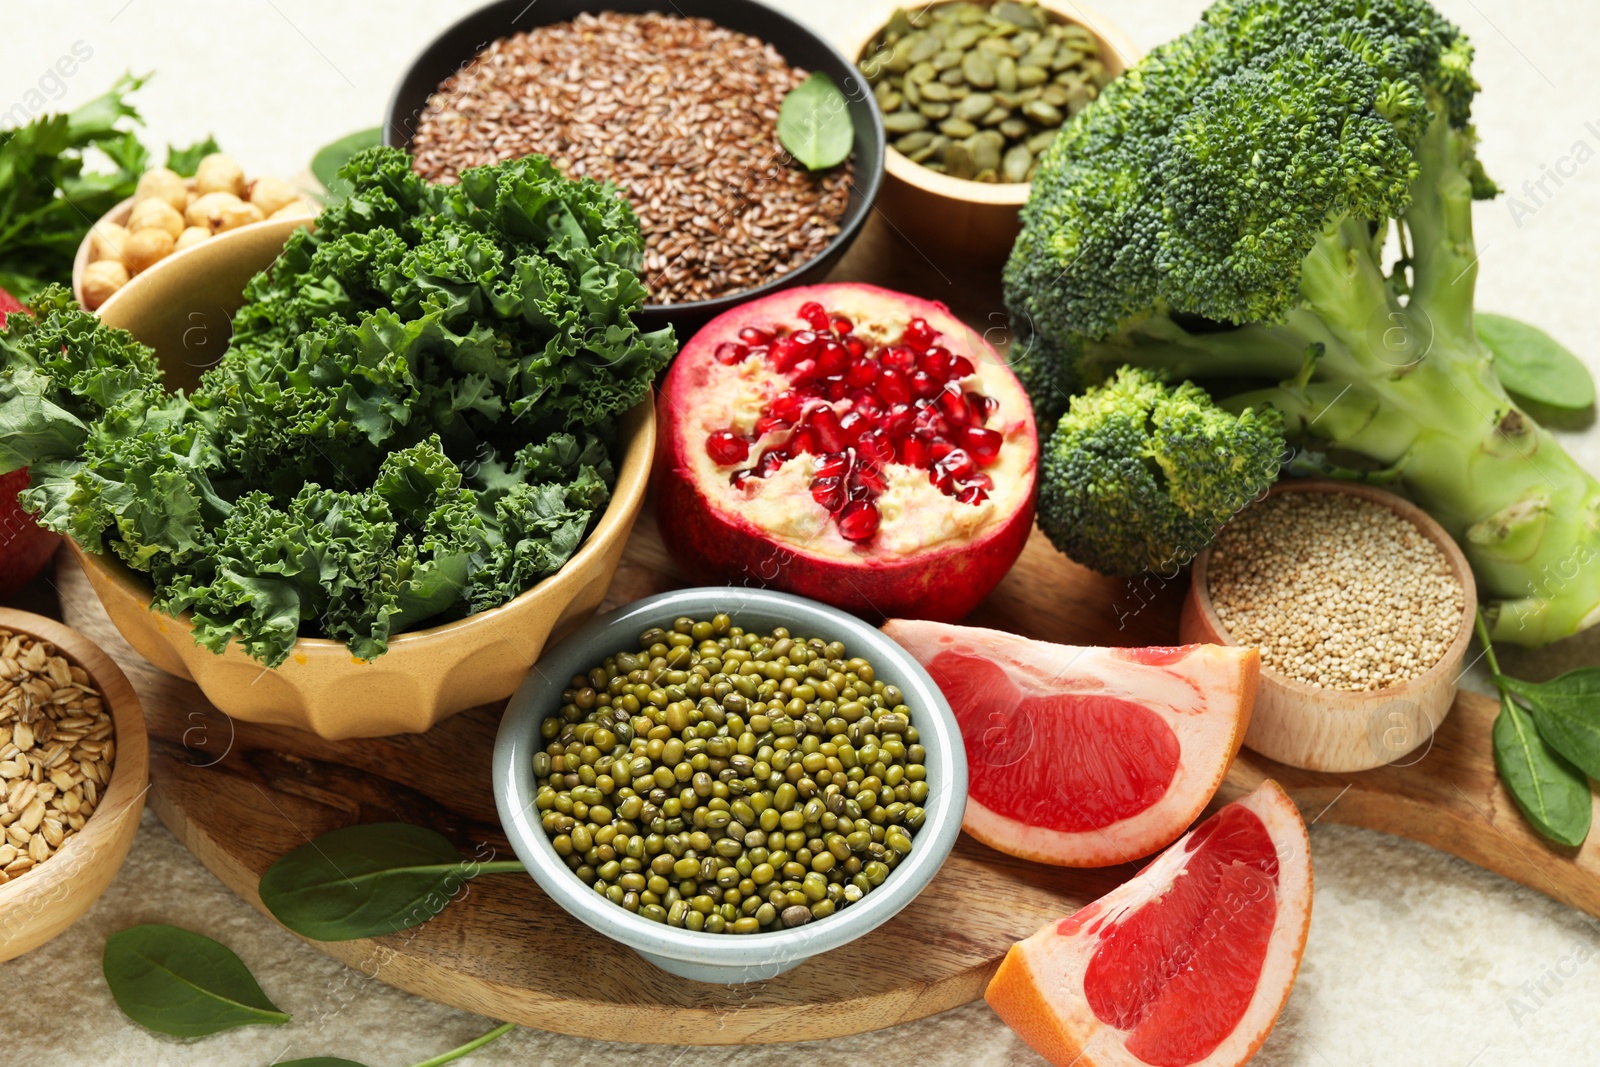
pixel 714 543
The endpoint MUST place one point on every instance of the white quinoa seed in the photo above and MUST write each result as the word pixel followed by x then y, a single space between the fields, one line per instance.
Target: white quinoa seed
pixel 1336 591
pixel 680 113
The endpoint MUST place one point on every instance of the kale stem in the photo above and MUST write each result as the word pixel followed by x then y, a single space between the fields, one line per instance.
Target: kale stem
pixel 470 1046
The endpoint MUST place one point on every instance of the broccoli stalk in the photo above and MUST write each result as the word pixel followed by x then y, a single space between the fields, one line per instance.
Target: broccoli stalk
pixel 1222 215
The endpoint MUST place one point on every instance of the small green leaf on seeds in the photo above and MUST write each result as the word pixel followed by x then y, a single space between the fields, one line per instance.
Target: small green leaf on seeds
pixel 1552 793
pixel 178 982
pixel 814 123
pixel 329 158
pixel 1532 365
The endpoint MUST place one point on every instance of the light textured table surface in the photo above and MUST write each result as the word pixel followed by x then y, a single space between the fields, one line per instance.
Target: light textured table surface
pixel 1414 957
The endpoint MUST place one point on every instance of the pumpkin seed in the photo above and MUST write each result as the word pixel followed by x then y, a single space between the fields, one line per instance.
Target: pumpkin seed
pixel 977 70
pixel 946 60
pixel 1016 14
pixel 958 161
pixel 905 122
pixel 913 141
pixel 1030 75
pixel 1042 112
pixel 1005 74
pixel 938 92
pixel 956 128
pixel 1018 161
pixel 975 106
pixel 934 111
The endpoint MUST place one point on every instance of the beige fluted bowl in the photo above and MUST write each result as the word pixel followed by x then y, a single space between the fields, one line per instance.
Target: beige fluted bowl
pixel 183 311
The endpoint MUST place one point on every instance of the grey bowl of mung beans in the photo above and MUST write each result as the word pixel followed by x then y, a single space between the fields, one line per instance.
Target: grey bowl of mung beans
pixel 893 847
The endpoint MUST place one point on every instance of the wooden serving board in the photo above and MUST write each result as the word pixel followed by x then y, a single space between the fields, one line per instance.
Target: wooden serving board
pixel 240 795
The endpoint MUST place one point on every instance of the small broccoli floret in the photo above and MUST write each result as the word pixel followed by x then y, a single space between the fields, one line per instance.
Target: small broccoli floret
pixel 1138 476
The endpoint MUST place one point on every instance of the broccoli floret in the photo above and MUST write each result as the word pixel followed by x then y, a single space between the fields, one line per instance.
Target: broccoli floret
pixel 1138 476
pixel 1222 212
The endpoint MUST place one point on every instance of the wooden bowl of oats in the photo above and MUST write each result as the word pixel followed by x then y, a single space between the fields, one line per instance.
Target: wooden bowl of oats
pixel 74 762
pixel 1362 607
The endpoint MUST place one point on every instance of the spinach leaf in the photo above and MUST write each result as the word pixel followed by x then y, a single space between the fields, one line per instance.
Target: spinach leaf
pixel 175 981
pixel 1532 365
pixel 368 880
pixel 1552 793
pixel 814 123
pixel 330 157
pixel 1567 712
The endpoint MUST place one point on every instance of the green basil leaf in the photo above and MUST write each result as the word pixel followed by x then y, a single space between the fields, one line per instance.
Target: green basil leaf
pixel 364 881
pixel 319 1061
pixel 1567 712
pixel 175 981
pixel 185 161
pixel 329 158
pixel 814 123
pixel 1552 793
pixel 1532 365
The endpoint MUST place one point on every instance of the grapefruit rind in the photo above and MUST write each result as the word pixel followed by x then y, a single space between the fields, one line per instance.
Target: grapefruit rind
pixel 1204 692
pixel 1038 990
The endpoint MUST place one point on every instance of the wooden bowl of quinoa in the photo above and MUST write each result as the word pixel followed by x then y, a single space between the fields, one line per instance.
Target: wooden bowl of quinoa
pixel 1362 607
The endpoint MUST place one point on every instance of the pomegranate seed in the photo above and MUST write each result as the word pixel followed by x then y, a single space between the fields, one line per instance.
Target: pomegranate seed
pixel 833 359
pixel 862 373
pixel 867 403
pixel 983 444
pixel 919 334
pixel 942 479
pixel 875 445
pixel 960 465
pixel 838 389
pixel 981 407
pixel 935 361
pixel 807 344
pixel 972 494
pixel 858 521
pixel 730 352
pixel 899 357
pixel 842 325
pixel 740 477
pixel 867 476
pixel 814 314
pixel 770 461
pixel 804 440
pixel 754 336
pixel 914 452
pixel 855 346
pixel 923 384
pixel 940 447
pixel 788 405
pixel 930 418
pixel 803 371
pixel 900 420
pixel 961 367
pixel 825 424
pixel 727 448
pixel 853 424
pixel 833 464
pixel 892 385
pixel 770 424
pixel 784 352
pixel 953 405
pixel 980 479
pixel 829 492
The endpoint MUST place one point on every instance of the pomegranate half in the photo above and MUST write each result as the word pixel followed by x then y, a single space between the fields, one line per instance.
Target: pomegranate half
pixel 848 443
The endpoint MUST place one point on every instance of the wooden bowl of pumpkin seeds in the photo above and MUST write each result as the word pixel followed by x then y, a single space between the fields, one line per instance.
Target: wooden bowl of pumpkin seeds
pixel 972 95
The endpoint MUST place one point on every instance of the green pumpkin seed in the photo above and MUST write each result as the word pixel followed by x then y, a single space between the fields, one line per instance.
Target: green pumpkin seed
pixel 958 164
pixel 905 122
pixel 946 60
pixel 913 91
pixel 1016 14
pixel 920 155
pixel 977 71
pixel 1042 140
pixel 1079 98
pixel 1066 57
pixel 911 142
pixel 975 106
pixel 994 116
pixel 922 72
pixel 964 38
pixel 957 128
pixel 938 92
pixel 1015 128
pixel 1030 75
pixel 1054 95
pixel 953 76
pixel 923 47
pixel 1005 74
pixel 1045 114
pixel 985 153
pixel 934 111
pixel 1016 164
pixel 890 101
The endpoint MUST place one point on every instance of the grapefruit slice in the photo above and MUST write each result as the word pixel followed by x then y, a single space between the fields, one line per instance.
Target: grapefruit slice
pixel 1186 965
pixel 1086 757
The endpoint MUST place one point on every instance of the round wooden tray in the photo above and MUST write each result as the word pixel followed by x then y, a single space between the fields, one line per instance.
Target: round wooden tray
pixel 240 795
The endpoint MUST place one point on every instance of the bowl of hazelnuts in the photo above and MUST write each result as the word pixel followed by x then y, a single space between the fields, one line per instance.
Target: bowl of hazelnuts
pixel 169 213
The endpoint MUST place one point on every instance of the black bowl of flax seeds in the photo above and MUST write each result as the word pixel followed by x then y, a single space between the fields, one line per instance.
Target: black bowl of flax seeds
pixel 678 109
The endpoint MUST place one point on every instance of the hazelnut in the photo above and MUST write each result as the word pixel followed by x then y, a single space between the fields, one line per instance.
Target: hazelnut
pixel 238 214
pixel 164 185
pixel 270 194
pixel 207 210
pixel 145 248
pixel 155 214
pixel 100 280
pixel 193 235
pixel 106 240
pixel 219 174
pixel 295 209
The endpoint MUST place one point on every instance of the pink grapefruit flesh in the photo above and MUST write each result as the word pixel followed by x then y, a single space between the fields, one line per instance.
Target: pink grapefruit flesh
pixel 1186 965
pixel 1083 756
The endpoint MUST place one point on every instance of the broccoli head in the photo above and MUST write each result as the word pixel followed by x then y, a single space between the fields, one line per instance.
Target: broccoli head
pixel 1278 205
pixel 1138 476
